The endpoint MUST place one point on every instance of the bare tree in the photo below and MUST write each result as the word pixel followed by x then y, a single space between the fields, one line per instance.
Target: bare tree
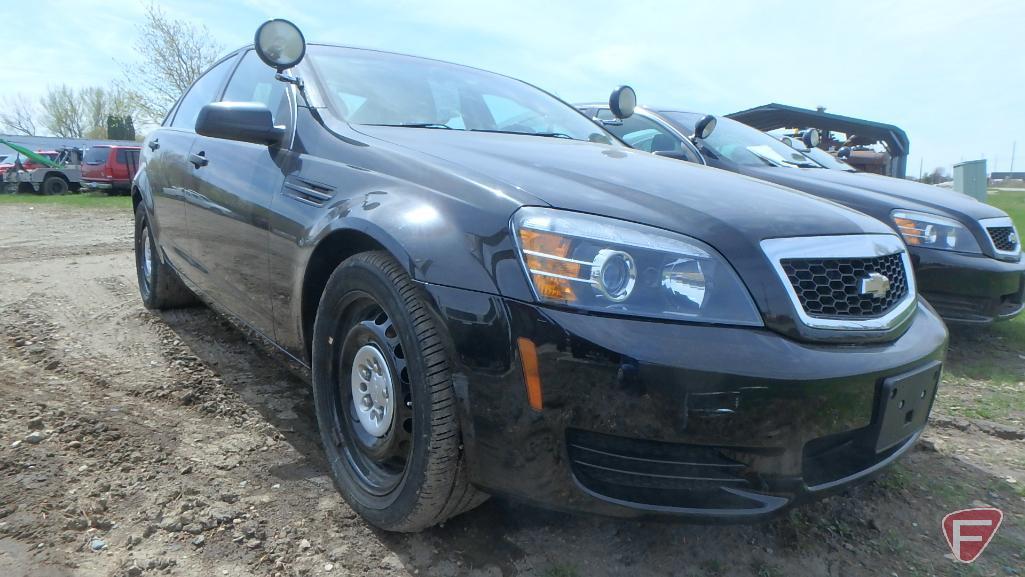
pixel 63 115
pixel 18 115
pixel 174 53
pixel 99 104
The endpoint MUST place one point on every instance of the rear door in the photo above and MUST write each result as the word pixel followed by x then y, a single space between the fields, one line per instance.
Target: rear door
pixel 168 172
pixel 236 182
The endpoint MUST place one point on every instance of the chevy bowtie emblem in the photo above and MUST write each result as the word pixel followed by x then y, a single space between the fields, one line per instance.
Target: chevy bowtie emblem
pixel 875 285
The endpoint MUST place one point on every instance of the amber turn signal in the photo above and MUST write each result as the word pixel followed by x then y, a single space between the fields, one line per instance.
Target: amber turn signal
pixel 531 376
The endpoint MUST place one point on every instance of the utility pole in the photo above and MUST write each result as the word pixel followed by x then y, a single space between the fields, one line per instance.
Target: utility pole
pixel 1014 145
pixel 921 164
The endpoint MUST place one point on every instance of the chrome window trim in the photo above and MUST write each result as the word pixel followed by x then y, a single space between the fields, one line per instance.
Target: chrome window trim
pixel 844 246
pixel 1000 222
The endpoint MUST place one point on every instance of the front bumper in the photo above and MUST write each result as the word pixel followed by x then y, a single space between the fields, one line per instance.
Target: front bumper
pixel 966 288
pixel 644 417
pixel 106 184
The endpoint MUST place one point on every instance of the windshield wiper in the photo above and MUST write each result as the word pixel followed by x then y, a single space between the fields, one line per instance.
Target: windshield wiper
pixel 544 134
pixel 419 125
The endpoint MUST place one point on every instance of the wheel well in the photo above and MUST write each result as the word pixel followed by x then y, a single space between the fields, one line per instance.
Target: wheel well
pixel 136 198
pixel 330 253
pixel 60 175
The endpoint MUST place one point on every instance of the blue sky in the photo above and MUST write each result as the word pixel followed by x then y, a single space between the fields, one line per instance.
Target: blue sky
pixel 951 73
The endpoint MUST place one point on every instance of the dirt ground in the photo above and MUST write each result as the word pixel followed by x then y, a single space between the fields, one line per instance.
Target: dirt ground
pixel 134 444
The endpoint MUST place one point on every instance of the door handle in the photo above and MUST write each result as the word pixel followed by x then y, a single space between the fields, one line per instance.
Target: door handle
pixel 199 159
pixel 154 144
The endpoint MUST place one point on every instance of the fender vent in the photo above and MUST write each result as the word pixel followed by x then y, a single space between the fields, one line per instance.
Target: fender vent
pixel 308 191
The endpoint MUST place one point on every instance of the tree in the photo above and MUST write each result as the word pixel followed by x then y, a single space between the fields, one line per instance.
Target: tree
pixel 18 116
pixel 174 53
pixel 63 114
pixel 99 105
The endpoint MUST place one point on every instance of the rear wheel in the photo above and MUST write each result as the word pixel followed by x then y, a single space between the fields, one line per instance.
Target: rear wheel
pixel 53 185
pixel 159 284
pixel 384 399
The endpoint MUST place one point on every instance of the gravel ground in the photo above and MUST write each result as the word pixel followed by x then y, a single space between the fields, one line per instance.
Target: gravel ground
pixel 134 444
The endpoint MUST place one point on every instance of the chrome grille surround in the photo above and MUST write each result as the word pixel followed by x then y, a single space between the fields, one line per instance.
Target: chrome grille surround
pixel 861 246
pixel 997 233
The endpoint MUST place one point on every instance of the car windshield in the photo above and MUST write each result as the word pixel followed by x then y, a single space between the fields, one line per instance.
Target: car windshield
pixel 828 160
pixel 742 144
pixel 376 88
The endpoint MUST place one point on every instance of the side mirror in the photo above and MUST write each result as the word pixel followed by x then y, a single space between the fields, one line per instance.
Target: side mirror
pixel 280 44
pixel 705 127
pixel 622 102
pixel 811 138
pixel 244 121
pixel 844 153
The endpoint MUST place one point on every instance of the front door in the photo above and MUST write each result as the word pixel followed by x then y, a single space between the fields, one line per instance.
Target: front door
pixel 229 214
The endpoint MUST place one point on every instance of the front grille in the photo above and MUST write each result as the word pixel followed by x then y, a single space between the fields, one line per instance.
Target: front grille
pixel 1003 238
pixel 658 473
pixel 831 287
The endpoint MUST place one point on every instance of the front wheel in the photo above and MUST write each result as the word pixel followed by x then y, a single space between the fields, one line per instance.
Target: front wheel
pixel 384 399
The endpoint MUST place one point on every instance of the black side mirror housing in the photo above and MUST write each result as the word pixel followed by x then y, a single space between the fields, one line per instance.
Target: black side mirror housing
pixel 844 153
pixel 243 121
pixel 704 127
pixel 810 138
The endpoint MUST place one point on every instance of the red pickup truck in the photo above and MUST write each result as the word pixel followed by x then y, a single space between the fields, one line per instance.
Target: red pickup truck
pixel 109 167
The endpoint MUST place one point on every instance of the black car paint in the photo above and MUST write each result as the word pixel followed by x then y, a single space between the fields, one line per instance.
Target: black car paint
pixel 441 201
pixel 995 284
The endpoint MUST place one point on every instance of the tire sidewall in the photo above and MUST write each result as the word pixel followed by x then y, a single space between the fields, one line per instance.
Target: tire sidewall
pixel 61 187
pixel 146 290
pixel 393 508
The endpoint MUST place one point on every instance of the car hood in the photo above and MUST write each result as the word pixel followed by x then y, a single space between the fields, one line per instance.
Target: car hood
pixel 859 189
pixel 718 207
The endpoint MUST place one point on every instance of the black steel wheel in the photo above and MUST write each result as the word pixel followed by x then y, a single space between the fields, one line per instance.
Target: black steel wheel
pixel 384 398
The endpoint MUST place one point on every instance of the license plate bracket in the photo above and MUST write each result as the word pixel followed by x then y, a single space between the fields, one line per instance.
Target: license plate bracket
pixel 904 403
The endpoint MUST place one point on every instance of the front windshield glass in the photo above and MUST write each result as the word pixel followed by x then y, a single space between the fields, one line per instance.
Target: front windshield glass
pixel 742 144
pixel 828 160
pixel 377 88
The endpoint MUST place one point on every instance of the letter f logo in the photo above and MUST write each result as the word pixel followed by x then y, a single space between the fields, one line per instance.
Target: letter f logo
pixel 969 531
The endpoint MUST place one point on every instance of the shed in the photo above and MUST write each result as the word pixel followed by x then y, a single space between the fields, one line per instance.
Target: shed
pixel 970 178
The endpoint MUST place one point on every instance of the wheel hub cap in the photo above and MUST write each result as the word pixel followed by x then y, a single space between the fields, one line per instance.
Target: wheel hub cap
pixel 147 256
pixel 373 391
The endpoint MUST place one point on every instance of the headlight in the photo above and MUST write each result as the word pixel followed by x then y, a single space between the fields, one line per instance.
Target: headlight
pixel 602 264
pixel 934 231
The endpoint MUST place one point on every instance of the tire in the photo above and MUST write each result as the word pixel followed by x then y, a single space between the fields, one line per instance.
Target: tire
pixel 54 185
pixel 373 332
pixel 159 284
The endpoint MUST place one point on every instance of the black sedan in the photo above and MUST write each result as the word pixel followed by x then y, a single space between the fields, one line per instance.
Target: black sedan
pixel 493 295
pixel 967 254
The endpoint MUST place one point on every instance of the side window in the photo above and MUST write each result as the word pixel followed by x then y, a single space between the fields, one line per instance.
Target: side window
pixel 122 156
pixel 646 134
pixel 203 92
pixel 253 81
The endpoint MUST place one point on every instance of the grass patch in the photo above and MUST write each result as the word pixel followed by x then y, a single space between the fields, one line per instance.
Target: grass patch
pixel 83 200
pixel 1013 203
